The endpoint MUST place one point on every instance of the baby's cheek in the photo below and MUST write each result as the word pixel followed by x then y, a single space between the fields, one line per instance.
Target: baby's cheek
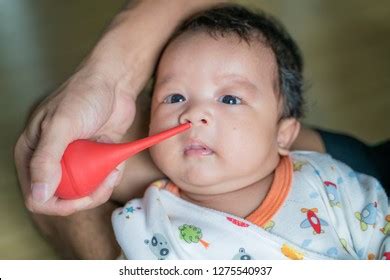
pixel 244 144
pixel 155 153
pixel 162 155
pixel 154 127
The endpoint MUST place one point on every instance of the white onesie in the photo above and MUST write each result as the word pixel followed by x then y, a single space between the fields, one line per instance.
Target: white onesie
pixel 317 208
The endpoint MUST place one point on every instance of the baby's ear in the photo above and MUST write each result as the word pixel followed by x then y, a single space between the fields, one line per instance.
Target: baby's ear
pixel 287 133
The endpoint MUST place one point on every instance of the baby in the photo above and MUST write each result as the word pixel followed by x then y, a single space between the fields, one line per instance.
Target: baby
pixel 233 189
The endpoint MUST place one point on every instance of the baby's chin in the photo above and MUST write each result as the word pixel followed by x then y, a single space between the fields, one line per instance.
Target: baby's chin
pixel 195 181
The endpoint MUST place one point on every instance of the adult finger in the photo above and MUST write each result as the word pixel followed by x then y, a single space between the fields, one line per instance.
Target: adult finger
pixel 63 207
pixel 45 169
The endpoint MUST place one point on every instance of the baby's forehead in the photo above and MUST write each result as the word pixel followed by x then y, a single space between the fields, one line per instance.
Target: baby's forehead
pixel 255 40
pixel 197 46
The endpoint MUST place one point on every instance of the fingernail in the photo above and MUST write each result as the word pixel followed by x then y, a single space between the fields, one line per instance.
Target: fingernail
pixel 112 179
pixel 40 192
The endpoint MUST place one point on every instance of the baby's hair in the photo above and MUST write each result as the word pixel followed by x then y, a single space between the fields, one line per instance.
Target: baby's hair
pixel 234 19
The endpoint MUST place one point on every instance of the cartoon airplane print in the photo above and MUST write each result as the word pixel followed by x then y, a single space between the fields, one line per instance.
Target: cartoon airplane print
pixel 313 221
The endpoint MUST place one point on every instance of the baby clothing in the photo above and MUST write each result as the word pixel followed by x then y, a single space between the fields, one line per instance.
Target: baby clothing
pixel 316 208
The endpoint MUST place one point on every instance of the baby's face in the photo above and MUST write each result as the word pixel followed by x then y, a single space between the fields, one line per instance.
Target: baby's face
pixel 227 90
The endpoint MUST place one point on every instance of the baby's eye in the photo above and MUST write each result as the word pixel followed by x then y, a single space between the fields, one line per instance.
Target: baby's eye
pixel 230 99
pixel 174 98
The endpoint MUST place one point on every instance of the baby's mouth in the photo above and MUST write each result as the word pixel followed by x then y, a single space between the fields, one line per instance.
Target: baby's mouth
pixel 197 148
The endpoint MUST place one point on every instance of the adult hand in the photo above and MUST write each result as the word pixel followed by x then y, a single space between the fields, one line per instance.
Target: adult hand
pixel 87 106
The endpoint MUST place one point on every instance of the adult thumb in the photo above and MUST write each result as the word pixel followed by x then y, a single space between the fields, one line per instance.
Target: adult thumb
pixel 45 165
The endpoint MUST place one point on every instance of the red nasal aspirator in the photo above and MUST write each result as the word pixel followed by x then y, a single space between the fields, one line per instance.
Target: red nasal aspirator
pixel 85 164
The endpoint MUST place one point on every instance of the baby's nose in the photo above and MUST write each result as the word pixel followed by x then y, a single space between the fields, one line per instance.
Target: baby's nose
pixel 196 118
pixel 200 122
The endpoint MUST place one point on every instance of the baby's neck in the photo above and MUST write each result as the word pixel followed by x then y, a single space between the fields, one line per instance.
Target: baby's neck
pixel 240 202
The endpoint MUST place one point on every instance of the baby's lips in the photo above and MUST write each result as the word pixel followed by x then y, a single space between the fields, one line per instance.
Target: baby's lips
pixel 193 144
pixel 198 152
pixel 196 147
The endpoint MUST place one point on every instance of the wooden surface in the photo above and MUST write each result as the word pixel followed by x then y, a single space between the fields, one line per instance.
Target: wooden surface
pixel 345 44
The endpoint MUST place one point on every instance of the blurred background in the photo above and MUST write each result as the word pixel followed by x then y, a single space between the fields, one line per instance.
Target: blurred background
pixel 345 45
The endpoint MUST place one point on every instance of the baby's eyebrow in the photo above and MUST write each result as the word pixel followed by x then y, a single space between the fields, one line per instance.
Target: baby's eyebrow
pixel 227 78
pixel 220 79
pixel 167 79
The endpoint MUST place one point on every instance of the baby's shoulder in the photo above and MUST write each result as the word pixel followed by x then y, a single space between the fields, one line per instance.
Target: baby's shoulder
pixel 320 163
pixel 310 156
pixel 323 172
